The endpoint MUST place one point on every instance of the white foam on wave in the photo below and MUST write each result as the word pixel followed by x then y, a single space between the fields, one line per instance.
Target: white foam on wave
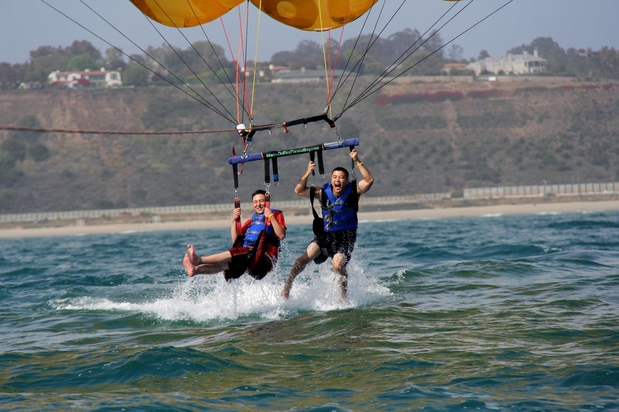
pixel 211 298
pixel 380 220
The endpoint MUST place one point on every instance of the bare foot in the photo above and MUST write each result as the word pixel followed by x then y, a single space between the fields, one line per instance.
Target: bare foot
pixel 189 267
pixel 193 258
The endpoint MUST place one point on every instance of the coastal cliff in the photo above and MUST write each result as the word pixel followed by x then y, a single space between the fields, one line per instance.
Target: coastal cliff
pixel 417 137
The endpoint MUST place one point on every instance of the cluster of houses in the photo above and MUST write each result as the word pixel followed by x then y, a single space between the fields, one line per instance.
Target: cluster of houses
pixel 512 64
pixel 516 64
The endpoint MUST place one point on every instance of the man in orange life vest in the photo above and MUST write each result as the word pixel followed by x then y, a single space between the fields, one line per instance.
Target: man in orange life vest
pixel 339 201
pixel 255 248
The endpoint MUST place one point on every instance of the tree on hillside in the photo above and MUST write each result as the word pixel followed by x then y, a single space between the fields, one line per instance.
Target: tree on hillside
pixel 307 54
pixel 154 56
pixel 30 137
pixel 402 43
pixel 403 48
pixel 426 61
pixel 353 61
pixel 454 54
pixel 43 61
pixel 359 46
pixel 483 54
pixel 210 60
pixel 419 64
pixel 11 75
pixel 15 147
pixel 604 64
pixel 135 75
pixel 429 60
pixel 80 47
pixel 20 144
pixel 9 174
pixel 202 59
pixel 82 62
pixel 548 49
pixel 115 59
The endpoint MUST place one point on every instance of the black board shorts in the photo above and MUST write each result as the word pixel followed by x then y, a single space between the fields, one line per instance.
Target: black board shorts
pixel 332 243
pixel 239 264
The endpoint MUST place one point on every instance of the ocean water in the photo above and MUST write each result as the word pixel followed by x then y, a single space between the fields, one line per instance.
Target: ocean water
pixel 517 313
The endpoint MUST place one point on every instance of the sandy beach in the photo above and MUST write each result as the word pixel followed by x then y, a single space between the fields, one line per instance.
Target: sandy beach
pixel 306 220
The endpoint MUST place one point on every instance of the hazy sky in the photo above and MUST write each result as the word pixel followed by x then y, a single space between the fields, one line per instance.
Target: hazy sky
pixel 27 24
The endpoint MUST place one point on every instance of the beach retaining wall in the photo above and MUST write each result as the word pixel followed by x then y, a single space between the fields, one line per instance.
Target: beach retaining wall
pixel 79 215
pixel 569 189
pixel 543 190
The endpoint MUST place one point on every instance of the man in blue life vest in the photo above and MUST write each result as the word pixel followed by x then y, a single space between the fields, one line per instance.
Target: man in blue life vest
pixel 339 201
pixel 255 245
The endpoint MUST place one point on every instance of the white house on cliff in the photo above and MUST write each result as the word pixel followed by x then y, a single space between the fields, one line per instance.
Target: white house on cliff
pixel 86 78
pixel 511 64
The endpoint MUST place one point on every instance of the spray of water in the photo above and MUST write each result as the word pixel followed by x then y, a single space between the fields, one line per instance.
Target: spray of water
pixel 209 298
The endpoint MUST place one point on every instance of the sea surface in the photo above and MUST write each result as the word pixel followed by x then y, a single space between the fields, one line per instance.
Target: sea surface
pixel 491 313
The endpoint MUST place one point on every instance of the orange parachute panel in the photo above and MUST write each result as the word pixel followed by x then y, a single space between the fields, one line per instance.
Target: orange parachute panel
pixel 184 13
pixel 314 15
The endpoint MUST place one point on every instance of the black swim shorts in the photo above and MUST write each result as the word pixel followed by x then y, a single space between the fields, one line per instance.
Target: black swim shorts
pixel 240 261
pixel 332 243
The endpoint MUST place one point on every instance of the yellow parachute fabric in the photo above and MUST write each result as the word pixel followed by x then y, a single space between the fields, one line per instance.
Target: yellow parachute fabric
pixel 314 15
pixel 310 15
pixel 185 13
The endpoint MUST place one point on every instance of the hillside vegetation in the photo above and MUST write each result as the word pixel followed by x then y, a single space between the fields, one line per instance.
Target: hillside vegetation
pixel 416 137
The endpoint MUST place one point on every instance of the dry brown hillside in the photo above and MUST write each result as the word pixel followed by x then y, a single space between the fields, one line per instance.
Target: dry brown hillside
pixel 417 137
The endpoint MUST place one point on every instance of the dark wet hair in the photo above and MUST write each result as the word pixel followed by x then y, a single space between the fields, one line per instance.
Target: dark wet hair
pixel 259 192
pixel 341 169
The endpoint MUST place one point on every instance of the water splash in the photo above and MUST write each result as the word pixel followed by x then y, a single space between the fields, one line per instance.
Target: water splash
pixel 209 298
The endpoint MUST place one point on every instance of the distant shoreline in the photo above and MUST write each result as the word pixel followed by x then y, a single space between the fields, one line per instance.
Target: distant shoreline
pixel 446 212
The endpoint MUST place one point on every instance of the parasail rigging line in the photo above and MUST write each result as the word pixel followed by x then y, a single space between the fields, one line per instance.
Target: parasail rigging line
pixel 241 75
pixel 343 79
pixel 255 73
pixel 407 53
pixel 412 49
pixel 205 102
pixel 208 40
pixel 254 128
pixel 242 132
pixel 222 82
pixel 193 73
pixel 196 96
pixel 337 56
pixel 376 86
pixel 329 67
pixel 108 132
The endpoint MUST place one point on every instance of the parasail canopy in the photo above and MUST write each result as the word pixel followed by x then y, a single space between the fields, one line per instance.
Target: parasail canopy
pixel 185 13
pixel 314 15
pixel 310 15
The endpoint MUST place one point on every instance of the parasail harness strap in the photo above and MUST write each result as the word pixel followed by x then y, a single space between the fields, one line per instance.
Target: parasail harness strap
pixel 318 224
